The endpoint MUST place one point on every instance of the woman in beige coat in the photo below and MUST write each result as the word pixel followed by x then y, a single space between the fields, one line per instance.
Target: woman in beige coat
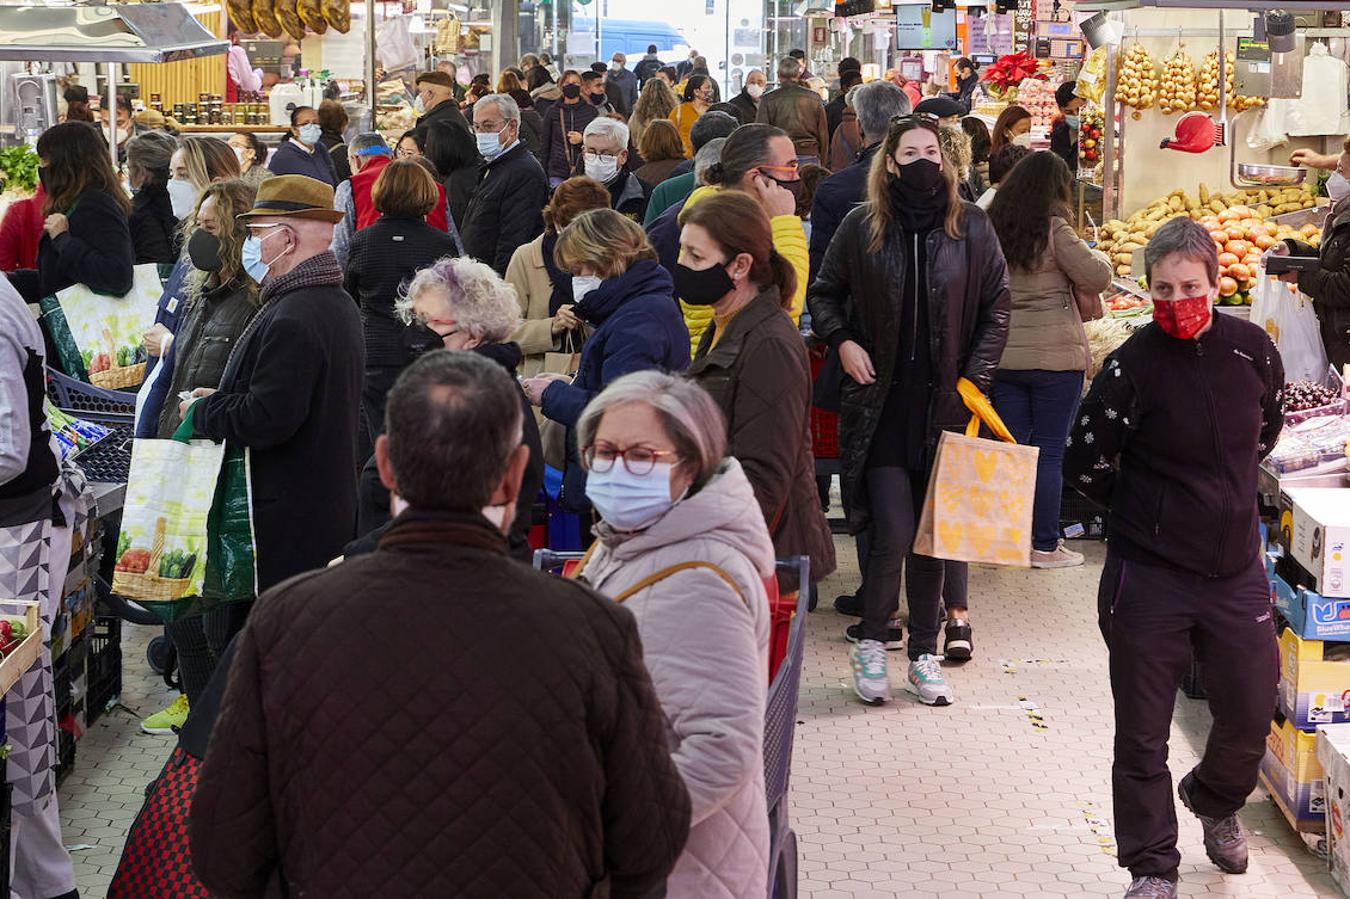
pixel 683 546
pixel 1056 282
pixel 544 290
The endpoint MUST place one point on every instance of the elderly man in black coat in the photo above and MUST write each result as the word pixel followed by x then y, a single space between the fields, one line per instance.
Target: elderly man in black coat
pixel 291 392
pixel 507 210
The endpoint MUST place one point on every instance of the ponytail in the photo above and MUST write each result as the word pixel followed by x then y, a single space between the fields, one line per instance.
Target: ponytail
pixel 784 277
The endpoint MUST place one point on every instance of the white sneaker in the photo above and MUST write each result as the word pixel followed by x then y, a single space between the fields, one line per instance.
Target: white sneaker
pixel 870 680
pixel 1060 557
pixel 927 681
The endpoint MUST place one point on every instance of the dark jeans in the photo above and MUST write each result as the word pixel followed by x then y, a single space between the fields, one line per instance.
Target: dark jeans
pixel 374 393
pixel 200 639
pixel 896 496
pixel 1153 619
pixel 955 576
pixel 1038 407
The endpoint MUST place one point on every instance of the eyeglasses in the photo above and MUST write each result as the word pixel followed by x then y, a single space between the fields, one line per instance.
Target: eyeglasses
pixel 489 127
pixel 790 171
pixel 639 460
pixel 922 119
pixel 603 154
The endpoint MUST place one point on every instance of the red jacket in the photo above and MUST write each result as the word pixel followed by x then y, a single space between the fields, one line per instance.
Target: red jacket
pixel 20 233
pixel 364 180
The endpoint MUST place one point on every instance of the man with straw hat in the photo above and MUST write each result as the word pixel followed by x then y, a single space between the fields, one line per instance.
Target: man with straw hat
pixel 291 390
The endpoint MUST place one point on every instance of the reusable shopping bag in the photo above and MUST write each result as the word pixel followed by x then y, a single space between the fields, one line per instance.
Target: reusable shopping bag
pixel 552 434
pixel 161 552
pixel 53 320
pixel 107 330
pixel 980 493
pixel 1288 317
pixel 231 565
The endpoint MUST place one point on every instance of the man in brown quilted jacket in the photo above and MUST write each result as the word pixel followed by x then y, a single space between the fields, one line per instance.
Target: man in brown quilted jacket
pixel 799 111
pixel 435 719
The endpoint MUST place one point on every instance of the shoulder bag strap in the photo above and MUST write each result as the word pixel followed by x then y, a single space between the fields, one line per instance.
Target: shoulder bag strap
pixel 676 569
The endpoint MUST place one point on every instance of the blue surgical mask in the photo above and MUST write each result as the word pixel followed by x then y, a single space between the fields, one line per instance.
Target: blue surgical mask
pixel 251 257
pixel 310 134
pixel 489 144
pixel 630 502
pixel 1072 121
pixel 1338 188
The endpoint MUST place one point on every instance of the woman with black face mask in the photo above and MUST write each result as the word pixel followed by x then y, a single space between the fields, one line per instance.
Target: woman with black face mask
pixel 913 294
pixel 753 363
pixel 219 302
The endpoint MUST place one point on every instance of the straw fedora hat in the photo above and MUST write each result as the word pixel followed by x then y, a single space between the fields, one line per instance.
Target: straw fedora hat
pixel 294 196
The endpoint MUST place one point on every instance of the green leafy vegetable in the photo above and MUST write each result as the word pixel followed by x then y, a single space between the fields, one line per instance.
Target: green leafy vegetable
pixel 20 167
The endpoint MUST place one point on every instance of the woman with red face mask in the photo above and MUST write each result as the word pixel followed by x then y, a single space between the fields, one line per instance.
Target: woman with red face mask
pixel 1169 439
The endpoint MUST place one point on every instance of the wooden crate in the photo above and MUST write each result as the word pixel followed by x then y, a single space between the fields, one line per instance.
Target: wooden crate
pixel 17 663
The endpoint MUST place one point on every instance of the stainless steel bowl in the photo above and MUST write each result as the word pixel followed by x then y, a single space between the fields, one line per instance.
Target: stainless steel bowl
pixel 1270 175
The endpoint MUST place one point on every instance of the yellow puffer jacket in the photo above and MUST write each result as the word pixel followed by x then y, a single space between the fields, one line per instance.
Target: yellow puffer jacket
pixel 789 239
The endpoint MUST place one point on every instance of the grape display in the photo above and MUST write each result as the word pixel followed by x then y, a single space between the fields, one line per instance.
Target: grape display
pixel 1300 396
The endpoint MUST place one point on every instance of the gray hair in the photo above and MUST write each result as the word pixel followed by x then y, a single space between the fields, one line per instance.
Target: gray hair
pixel 1186 238
pixel 151 153
pixel 707 157
pixel 711 125
pixel 483 304
pixel 876 103
pixel 789 69
pixel 509 109
pixel 691 417
pixel 367 139
pixel 453 420
pixel 612 130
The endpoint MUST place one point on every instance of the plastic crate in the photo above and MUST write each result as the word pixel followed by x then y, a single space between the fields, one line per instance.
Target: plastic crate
pixel 91 402
pixel 65 748
pixel 61 681
pixel 109 460
pixel 105 666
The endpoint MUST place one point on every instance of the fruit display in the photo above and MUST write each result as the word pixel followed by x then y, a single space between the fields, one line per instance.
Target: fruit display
pixel 1137 85
pixel 1090 125
pixel 1300 396
pixel 1038 98
pixel 1237 221
pixel 1176 87
pixel 1207 87
pixel 1126 305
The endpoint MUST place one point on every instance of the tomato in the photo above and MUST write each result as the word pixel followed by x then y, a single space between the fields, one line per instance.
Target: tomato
pixel 1227 259
pixel 1265 241
pixel 1237 247
pixel 1239 272
pixel 1227 287
pixel 1220 236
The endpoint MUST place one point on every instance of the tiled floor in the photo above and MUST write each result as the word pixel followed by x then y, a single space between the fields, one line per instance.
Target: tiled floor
pixel 1004 794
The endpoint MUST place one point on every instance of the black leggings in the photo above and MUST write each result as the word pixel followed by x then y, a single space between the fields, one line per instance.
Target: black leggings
pixel 200 639
pixel 896 497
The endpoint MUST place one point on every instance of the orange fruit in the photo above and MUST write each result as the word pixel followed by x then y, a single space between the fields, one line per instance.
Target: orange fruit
pixel 1237 247
pixel 1239 272
pixel 1227 259
pixel 1227 287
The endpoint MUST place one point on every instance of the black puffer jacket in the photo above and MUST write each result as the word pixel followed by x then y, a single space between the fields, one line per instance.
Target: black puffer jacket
pixel 207 333
pixel 1329 286
pixel 856 297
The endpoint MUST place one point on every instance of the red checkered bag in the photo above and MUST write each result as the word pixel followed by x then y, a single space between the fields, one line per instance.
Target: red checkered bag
pixel 157 861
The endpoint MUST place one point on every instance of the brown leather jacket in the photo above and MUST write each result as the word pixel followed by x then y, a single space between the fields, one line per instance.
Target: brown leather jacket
pixel 759 375
pixel 801 114
pixel 375 741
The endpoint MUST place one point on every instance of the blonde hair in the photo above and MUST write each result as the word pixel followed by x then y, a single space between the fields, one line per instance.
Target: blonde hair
pixel 604 241
pixel 956 149
pixel 879 214
pixel 233 196
pixel 208 159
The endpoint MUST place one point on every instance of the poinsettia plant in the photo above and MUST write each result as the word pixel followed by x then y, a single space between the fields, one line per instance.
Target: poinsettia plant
pixel 1009 71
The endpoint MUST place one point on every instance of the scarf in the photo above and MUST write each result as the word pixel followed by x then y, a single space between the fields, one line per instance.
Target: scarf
pixel 561 281
pixel 317 271
pixel 915 211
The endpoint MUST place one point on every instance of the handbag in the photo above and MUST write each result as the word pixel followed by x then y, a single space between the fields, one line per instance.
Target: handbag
pixel 1089 305
pixel 156 862
pixel 980 492
pixel 552 434
pixel 231 563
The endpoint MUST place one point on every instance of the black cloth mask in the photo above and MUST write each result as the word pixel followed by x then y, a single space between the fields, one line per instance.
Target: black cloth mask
pixel 204 250
pixel 702 287
pixel 571 91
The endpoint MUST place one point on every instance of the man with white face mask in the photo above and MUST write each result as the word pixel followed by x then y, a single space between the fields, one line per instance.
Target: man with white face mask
pixel 507 208
pixel 291 391
pixel 605 158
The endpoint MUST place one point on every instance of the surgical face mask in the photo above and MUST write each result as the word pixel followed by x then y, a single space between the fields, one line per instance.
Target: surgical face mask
pixel 489 143
pixel 1022 140
pixel 602 168
pixel 629 502
pixel 183 196
pixel 500 517
pixel 584 284
pixel 1073 121
pixel 615 66
pixel 419 106
pixel 251 256
pixel 310 134
pixel 1182 318
pixel 755 91
pixel 239 155
pixel 1338 188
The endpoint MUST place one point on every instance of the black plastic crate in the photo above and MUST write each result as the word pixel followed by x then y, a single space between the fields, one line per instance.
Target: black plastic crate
pixel 86 400
pixel 1076 510
pixel 65 752
pixel 61 682
pixel 104 666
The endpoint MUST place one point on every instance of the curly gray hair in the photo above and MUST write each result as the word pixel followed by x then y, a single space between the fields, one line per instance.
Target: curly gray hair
pixel 483 304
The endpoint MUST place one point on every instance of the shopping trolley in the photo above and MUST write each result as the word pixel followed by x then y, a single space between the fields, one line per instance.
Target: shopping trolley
pixel 780 716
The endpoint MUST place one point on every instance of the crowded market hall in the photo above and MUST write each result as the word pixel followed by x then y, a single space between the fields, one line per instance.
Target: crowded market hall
pixel 390 388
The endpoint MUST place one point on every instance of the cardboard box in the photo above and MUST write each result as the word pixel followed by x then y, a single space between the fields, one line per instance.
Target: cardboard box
pixel 1320 540
pixel 1313 690
pixel 1333 752
pixel 1292 775
pixel 1311 615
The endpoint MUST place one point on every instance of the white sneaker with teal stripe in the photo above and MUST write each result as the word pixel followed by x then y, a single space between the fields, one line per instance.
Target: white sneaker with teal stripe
pixel 927 682
pixel 870 680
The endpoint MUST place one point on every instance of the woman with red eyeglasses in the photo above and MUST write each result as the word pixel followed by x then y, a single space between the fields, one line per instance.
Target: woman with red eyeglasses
pixel 913 295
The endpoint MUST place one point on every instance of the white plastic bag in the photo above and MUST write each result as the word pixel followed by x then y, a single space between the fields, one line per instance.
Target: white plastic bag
pixel 143 395
pixel 1288 317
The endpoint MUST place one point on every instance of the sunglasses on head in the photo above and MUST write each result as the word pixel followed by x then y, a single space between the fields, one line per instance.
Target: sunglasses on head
pixel 915 119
